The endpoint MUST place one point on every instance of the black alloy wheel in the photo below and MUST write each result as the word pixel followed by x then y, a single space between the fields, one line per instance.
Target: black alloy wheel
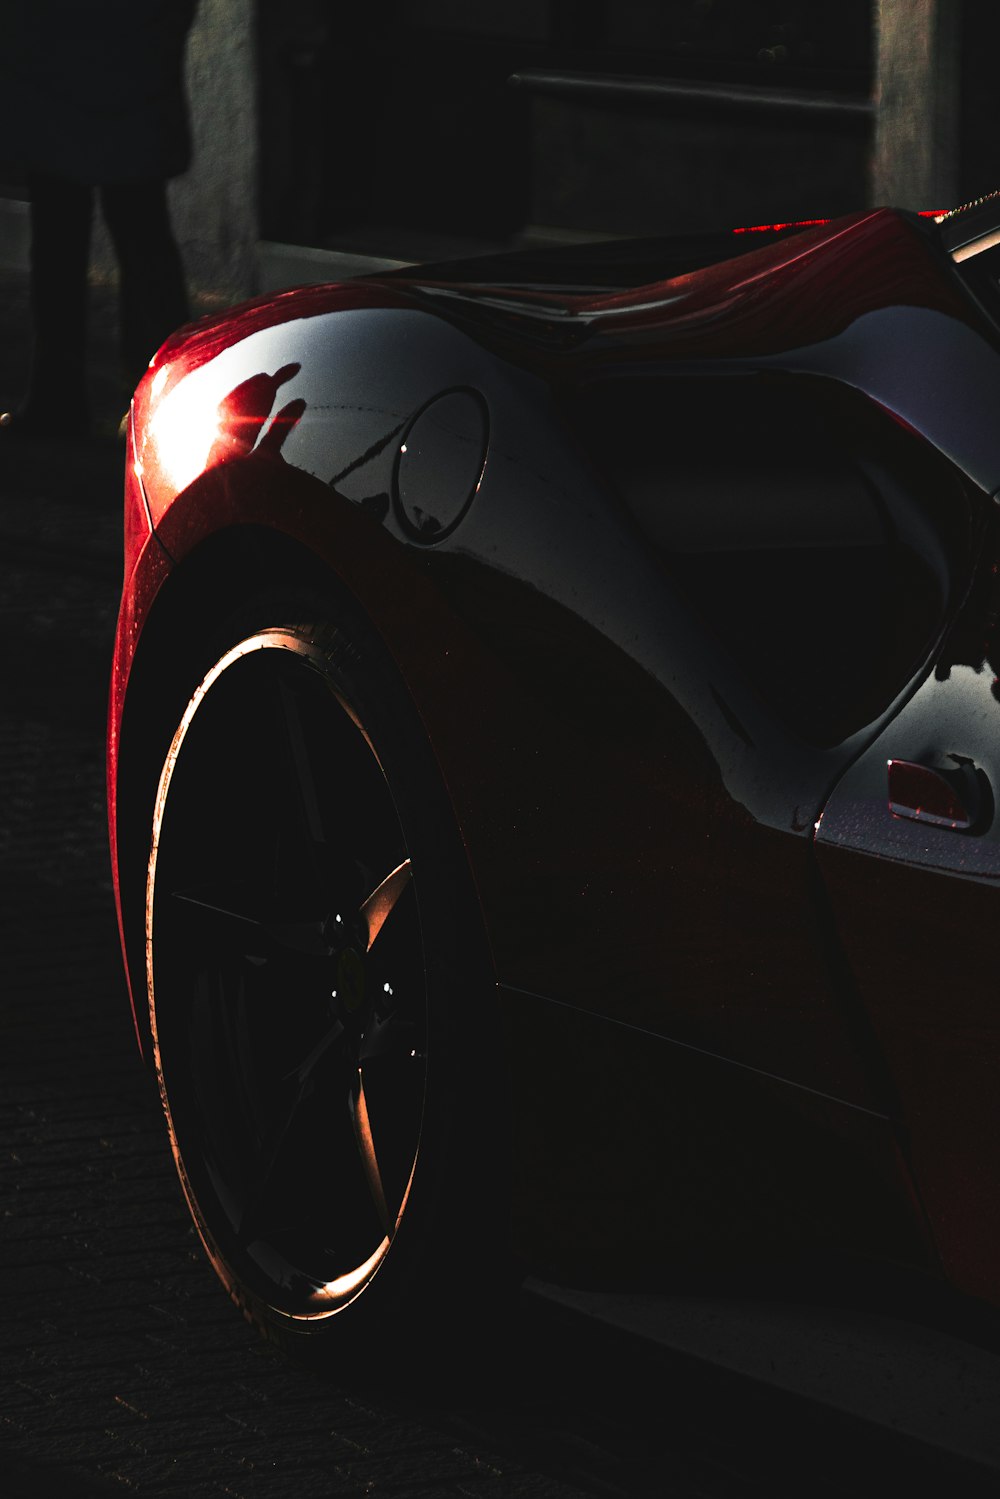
pixel 289 978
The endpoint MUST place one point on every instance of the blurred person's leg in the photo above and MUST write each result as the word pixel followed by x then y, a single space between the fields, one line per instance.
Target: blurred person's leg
pixel 61 214
pixel 153 295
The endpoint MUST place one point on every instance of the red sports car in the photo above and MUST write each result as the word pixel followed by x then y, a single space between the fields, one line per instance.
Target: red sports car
pixel 552 734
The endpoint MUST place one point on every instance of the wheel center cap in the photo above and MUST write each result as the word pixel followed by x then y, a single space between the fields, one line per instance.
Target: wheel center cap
pixel 350 980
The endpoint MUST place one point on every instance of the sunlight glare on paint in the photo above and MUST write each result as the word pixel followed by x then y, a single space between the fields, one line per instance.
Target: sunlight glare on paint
pixel 184 428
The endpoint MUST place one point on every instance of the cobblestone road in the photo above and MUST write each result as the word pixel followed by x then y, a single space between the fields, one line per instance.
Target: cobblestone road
pixel 123 1365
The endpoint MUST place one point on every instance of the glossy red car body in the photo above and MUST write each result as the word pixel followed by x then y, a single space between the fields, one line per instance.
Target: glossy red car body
pixel 672 573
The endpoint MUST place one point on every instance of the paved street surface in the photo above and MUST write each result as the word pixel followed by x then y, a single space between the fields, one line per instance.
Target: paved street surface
pixel 123 1366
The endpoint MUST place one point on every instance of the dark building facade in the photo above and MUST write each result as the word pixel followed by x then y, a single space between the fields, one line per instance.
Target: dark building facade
pixel 487 119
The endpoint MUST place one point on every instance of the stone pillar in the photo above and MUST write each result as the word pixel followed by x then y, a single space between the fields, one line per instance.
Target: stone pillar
pixel 917 83
pixel 214 205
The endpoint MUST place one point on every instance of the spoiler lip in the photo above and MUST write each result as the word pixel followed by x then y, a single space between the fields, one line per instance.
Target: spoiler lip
pixel 972 227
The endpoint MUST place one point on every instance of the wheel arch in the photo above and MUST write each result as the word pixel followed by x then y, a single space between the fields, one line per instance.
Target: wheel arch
pixel 202 595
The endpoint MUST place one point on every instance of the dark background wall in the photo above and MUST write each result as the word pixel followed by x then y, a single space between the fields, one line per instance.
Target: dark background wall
pixel 420 128
pixel 489 119
pixel 406 122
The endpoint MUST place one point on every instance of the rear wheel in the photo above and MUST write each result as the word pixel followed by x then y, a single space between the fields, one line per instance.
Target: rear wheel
pixel 318 998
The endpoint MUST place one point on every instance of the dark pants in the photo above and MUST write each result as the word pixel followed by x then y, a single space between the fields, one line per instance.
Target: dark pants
pixel 152 294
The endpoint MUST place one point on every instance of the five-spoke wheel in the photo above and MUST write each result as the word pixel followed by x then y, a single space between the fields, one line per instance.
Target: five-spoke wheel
pixel 287 978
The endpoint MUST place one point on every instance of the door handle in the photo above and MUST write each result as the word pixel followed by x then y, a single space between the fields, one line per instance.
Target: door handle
pixel 957 796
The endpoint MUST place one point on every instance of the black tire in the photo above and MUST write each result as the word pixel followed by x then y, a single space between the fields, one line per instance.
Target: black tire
pixel 321 1000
